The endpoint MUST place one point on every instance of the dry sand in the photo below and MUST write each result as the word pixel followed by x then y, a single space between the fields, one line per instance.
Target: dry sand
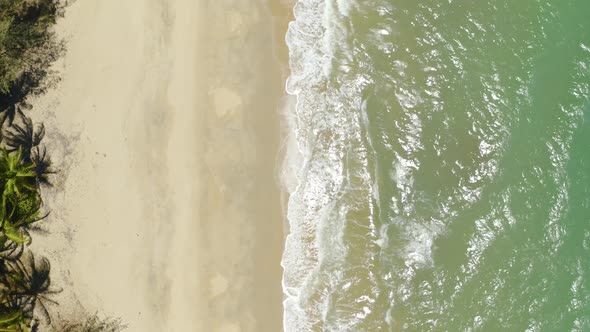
pixel 165 129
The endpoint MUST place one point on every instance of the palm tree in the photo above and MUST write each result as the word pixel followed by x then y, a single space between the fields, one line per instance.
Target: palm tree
pixel 13 321
pixel 16 176
pixel 27 287
pixel 24 137
pixel 20 203
pixel 16 179
pixel 24 213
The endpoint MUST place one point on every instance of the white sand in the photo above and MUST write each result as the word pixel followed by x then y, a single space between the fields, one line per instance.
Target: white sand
pixel 165 131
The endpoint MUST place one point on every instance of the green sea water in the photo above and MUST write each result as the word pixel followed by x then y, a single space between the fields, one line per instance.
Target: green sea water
pixel 441 152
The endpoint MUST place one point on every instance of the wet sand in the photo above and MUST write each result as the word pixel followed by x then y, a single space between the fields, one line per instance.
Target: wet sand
pixel 241 202
pixel 165 128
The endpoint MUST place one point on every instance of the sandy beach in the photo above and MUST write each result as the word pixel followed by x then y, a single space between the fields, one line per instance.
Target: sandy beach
pixel 165 130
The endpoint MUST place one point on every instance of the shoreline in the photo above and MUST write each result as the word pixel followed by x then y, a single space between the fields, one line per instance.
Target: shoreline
pixel 167 195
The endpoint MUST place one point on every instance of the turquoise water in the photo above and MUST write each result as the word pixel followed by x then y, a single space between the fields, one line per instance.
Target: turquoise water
pixel 442 159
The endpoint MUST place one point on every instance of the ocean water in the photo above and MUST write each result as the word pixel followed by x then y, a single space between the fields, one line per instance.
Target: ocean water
pixel 440 166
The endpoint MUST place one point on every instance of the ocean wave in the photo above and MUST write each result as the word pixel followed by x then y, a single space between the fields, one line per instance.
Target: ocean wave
pixel 430 160
pixel 333 200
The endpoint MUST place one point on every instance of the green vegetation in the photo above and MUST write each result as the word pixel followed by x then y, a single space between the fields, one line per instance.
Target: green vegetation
pixel 28 48
pixel 24 278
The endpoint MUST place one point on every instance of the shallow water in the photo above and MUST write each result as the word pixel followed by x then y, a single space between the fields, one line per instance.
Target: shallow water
pixel 442 157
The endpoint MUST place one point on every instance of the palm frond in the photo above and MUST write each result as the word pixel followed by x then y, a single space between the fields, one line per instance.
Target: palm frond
pixel 42 166
pixel 24 137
